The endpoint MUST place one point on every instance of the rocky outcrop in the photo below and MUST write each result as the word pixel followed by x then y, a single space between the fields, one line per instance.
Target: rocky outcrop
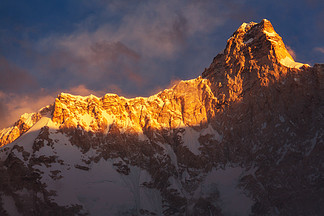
pixel 25 122
pixel 189 103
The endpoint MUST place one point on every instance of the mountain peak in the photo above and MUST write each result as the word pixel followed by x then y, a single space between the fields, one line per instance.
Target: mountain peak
pixel 264 24
pixel 254 54
pixel 255 44
pixel 260 41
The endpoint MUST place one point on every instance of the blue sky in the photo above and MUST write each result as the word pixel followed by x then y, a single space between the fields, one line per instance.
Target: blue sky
pixel 133 48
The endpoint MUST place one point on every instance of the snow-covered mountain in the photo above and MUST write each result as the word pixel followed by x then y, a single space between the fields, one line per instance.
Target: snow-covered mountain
pixel 245 138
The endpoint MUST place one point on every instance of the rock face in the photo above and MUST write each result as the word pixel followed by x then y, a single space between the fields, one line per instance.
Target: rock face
pixel 188 103
pixel 245 138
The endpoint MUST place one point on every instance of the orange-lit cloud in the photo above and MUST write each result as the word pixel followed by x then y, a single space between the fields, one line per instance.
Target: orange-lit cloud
pixel 291 52
pixel 13 105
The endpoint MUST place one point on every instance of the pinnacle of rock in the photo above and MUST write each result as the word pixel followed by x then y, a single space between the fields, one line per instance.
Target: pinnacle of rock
pixel 254 54
pixel 255 44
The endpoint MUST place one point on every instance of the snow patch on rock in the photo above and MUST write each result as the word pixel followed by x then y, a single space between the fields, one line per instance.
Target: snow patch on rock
pixel 288 62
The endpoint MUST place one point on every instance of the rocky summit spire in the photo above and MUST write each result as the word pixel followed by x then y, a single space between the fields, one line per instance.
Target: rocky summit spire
pixel 255 53
pixel 258 42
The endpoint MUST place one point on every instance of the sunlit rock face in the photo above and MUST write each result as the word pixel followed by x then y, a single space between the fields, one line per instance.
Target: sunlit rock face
pixel 24 123
pixel 189 103
pixel 245 138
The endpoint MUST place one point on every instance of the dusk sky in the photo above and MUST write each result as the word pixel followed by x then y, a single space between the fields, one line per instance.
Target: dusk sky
pixel 132 48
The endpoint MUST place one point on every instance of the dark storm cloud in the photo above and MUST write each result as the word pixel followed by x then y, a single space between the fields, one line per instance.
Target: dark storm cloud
pixel 179 29
pixel 14 78
pixel 115 60
pixel 105 51
pixel 99 63
pixel 3 113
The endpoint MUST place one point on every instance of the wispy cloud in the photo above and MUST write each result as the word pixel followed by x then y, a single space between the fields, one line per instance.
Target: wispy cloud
pixel 129 50
pixel 13 105
pixel 153 29
pixel 319 49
